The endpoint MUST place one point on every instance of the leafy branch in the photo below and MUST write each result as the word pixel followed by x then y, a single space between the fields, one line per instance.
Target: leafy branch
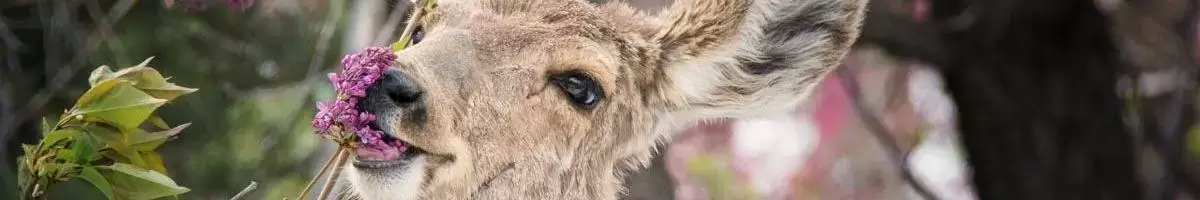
pixel 879 130
pixel 108 138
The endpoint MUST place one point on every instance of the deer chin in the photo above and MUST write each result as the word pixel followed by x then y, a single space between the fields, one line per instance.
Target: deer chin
pixel 395 171
pixel 399 178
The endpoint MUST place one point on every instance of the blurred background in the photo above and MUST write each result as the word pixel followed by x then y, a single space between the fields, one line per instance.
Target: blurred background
pixel 940 99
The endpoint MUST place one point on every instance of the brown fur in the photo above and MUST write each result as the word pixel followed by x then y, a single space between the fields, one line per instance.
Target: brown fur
pixel 495 128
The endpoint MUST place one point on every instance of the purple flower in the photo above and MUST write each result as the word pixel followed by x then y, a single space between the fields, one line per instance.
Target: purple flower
pixel 359 71
pixel 240 5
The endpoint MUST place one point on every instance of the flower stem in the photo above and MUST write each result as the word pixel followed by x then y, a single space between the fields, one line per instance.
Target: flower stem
pixel 406 36
pixel 32 189
pixel 42 190
pixel 324 168
pixel 29 188
pixel 343 154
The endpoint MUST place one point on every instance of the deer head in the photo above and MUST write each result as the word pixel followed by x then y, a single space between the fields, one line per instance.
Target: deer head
pixel 557 99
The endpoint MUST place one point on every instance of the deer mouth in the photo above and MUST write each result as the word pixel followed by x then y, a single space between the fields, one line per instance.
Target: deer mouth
pixel 395 153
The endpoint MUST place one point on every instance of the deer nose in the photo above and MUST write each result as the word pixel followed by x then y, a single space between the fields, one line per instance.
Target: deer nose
pixel 396 87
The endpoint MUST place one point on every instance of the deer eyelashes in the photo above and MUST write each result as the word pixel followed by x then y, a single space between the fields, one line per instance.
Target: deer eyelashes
pixel 582 90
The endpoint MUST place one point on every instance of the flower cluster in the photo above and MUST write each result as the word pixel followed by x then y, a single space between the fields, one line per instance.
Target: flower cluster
pixel 341 118
pixel 241 5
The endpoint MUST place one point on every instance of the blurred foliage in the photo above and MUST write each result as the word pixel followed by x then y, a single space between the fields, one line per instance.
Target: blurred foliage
pixel 253 125
pixel 250 119
pixel 718 179
pixel 1193 141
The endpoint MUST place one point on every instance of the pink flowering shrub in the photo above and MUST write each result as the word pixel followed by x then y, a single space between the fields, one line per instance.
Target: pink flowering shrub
pixel 340 119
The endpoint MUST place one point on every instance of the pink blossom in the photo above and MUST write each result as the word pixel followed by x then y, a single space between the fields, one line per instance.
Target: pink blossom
pixel 359 71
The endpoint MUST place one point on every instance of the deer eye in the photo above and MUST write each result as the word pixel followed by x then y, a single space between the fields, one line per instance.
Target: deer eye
pixel 417 35
pixel 583 90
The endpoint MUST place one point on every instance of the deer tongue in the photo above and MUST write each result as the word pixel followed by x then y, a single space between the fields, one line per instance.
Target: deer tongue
pixel 392 151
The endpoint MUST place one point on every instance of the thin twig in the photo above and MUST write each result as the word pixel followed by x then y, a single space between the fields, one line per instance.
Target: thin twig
pixel 343 154
pixel 39 191
pixel 229 43
pixel 104 28
pixel 324 168
pixel 393 19
pixel 327 29
pixel 28 190
pixel 899 158
pixel 313 67
pixel 11 45
pixel 411 27
pixel 253 185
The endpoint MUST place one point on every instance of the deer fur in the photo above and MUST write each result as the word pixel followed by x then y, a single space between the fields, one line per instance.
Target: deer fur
pixel 492 127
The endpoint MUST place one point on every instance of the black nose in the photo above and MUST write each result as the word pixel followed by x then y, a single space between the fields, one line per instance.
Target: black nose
pixel 396 87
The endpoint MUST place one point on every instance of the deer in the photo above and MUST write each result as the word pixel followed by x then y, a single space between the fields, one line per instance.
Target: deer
pixel 560 99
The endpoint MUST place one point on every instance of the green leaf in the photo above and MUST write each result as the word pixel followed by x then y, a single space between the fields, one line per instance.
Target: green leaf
pixel 117 144
pixel 153 83
pixel 59 171
pixel 144 141
pixel 53 138
pixel 101 74
pixel 110 136
pixel 32 153
pixel 91 175
pixel 125 106
pixel 46 126
pixel 168 92
pixel 131 155
pixel 154 161
pixel 137 74
pixel 150 81
pixel 97 90
pixel 158 122
pixel 23 173
pixel 83 150
pixel 29 149
pixel 132 182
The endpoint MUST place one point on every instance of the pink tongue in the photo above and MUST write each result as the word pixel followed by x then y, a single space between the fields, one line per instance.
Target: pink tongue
pixel 386 152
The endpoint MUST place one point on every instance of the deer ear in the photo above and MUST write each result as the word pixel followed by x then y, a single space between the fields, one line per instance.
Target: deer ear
pixel 729 58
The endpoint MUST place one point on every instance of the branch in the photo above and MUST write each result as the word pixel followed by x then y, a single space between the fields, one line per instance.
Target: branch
pixel 340 160
pixel 393 20
pixel 876 127
pixel 322 47
pixel 324 168
pixel 11 44
pixel 253 185
pixel 313 67
pixel 104 30
pixel 28 192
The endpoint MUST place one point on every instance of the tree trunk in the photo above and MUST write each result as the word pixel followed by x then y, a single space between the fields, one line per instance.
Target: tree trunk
pixel 1034 81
